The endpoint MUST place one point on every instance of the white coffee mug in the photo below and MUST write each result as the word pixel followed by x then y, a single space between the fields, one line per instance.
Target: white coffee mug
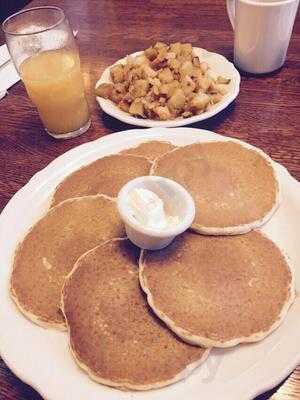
pixel 262 31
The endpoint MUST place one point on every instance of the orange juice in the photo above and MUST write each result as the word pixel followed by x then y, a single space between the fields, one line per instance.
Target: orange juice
pixel 54 83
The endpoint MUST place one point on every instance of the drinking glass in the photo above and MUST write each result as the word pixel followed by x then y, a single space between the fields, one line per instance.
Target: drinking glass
pixel 42 47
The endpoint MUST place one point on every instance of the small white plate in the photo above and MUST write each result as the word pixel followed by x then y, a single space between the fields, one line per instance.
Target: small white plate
pixel 219 66
pixel 41 357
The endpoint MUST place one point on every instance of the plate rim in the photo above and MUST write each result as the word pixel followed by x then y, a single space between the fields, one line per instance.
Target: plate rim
pixel 111 109
pixel 135 135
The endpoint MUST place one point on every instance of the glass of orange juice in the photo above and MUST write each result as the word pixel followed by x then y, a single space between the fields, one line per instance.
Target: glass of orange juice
pixel 43 49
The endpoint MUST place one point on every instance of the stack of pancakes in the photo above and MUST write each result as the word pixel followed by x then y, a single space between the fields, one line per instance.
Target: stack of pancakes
pixel 142 320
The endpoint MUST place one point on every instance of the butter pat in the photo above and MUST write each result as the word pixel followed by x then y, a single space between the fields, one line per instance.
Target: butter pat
pixel 147 208
pixel 155 210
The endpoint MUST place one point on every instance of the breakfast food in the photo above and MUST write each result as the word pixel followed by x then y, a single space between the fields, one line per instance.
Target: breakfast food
pixel 151 149
pixel 106 175
pixel 234 185
pixel 114 336
pixel 218 291
pixel 49 250
pixel 164 83
pixel 144 322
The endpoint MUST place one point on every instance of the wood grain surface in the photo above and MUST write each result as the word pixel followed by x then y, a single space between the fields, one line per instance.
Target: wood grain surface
pixel 266 113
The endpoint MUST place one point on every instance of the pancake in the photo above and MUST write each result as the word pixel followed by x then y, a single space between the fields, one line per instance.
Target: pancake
pixel 106 175
pixel 114 336
pixel 219 291
pixel 234 185
pixel 150 150
pixel 48 253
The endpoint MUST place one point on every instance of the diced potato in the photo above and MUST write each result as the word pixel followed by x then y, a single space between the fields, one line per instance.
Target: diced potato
pixel 222 88
pixel 186 49
pixel 165 75
pixel 104 90
pixel 196 61
pixel 177 100
pixel 160 61
pixel 160 45
pixel 148 72
pixel 149 104
pixel 124 106
pixel 136 73
pixel 130 76
pixel 151 53
pixel 170 55
pixel 120 88
pixel 197 73
pixel 116 96
pixel 164 88
pixel 137 108
pixel 128 98
pixel 176 48
pixel 139 88
pixel 215 98
pixel 204 66
pixel 182 58
pixel 168 89
pixel 117 73
pixel 188 85
pixel 189 97
pixel 186 68
pixel 155 90
pixel 204 83
pixel 174 64
pixel 213 87
pixel 200 101
pixel 140 60
pixel 149 109
pixel 164 82
pixel 127 67
pixel 154 82
pixel 163 113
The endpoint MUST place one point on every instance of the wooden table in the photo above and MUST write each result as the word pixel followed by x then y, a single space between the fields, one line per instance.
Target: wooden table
pixel 265 114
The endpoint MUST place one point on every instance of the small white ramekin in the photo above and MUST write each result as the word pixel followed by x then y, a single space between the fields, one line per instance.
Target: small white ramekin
pixel 177 202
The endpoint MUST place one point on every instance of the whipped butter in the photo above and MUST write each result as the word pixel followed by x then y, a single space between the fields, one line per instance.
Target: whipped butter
pixel 148 210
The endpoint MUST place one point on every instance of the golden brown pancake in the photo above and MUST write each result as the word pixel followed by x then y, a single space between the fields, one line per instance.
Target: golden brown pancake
pixel 219 291
pixel 106 175
pixel 234 187
pixel 150 150
pixel 114 335
pixel 48 253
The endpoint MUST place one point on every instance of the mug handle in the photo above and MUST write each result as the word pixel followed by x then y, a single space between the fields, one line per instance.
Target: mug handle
pixel 230 5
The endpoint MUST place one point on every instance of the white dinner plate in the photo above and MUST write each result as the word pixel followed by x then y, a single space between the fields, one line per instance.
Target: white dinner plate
pixel 41 357
pixel 219 66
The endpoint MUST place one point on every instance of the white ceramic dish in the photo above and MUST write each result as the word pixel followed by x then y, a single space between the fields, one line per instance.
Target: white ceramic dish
pixel 172 193
pixel 41 357
pixel 219 66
